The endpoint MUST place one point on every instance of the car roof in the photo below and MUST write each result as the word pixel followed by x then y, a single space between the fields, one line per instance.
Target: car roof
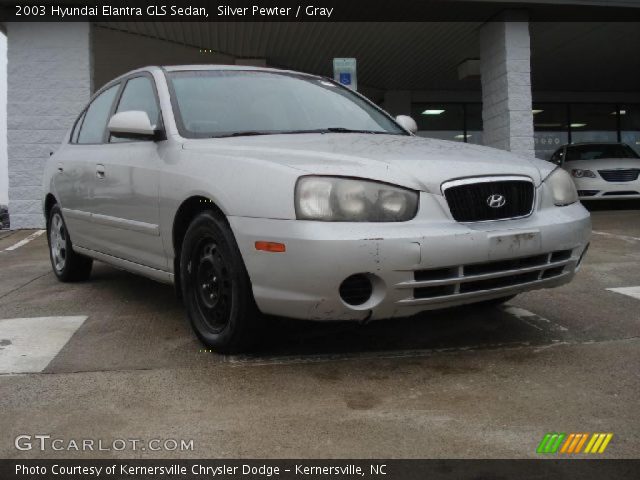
pixel 213 67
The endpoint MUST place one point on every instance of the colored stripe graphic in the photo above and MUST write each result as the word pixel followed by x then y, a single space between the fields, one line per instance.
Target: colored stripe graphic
pixel 543 443
pixel 598 442
pixel 551 442
pixel 584 439
pixel 571 439
pixel 572 443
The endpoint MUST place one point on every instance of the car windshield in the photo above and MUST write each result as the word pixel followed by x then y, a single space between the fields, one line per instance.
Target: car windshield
pixel 222 103
pixel 598 151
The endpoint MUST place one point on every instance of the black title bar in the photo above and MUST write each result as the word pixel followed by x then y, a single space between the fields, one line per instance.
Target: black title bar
pixel 556 469
pixel 308 10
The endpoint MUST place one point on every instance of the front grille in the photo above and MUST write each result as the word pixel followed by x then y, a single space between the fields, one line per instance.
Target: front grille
pixel 622 192
pixel 442 284
pixel 490 200
pixel 502 265
pixel 620 175
pixel 587 193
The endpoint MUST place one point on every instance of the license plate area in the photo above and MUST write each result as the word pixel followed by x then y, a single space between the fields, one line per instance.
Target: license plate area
pixel 514 244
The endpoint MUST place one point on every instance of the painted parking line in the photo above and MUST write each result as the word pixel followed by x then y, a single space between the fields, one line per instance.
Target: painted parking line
pixel 626 238
pixel 27 345
pixel 24 241
pixel 633 292
pixel 533 319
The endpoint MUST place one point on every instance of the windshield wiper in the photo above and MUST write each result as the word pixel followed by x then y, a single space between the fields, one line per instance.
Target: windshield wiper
pixel 248 133
pixel 350 130
pixel 340 130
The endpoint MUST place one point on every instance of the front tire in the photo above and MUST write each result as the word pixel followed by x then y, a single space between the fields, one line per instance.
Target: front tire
pixel 216 287
pixel 67 265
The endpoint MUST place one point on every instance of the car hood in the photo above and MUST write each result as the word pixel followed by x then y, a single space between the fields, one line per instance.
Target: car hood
pixel 413 162
pixel 603 164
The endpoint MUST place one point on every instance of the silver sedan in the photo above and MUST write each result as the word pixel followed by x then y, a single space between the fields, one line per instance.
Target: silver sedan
pixel 266 192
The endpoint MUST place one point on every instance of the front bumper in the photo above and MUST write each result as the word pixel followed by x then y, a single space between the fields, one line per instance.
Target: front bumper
pixel 600 189
pixel 415 266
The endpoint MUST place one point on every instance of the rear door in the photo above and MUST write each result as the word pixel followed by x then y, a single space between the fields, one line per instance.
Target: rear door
pixel 74 180
pixel 125 207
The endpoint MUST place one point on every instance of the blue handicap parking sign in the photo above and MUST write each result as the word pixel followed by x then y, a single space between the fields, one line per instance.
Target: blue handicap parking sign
pixel 345 78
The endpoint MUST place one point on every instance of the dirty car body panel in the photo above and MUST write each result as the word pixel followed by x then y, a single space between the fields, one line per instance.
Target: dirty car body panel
pixel 431 260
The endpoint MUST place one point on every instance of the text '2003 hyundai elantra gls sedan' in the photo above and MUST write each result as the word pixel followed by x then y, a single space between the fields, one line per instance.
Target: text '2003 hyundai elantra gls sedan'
pixel 259 191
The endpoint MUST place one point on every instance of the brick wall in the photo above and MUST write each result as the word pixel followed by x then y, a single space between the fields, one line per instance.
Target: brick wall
pixel 49 81
pixel 505 70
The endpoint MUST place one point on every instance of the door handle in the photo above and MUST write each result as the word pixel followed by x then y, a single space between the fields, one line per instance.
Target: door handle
pixel 100 170
pixel 60 167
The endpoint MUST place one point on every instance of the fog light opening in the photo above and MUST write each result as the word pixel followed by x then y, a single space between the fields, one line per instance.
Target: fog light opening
pixel 356 290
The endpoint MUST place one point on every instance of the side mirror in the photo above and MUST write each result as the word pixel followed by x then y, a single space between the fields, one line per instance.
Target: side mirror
pixel 407 123
pixel 134 124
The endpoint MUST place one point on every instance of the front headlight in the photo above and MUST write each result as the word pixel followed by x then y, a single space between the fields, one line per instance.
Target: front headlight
pixel 579 173
pixel 336 199
pixel 562 187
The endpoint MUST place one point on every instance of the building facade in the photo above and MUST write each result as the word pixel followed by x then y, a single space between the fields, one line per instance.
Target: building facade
pixel 507 82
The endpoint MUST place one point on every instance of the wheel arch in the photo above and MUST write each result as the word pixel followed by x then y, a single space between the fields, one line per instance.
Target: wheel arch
pixel 49 201
pixel 186 212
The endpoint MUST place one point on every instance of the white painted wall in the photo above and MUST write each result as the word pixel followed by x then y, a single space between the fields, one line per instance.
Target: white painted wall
pixel 49 81
pixel 4 172
pixel 505 70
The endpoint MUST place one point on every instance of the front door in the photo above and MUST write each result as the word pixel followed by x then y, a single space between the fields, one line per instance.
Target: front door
pixel 125 208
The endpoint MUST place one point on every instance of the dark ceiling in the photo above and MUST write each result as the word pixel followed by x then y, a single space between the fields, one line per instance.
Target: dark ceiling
pixel 565 56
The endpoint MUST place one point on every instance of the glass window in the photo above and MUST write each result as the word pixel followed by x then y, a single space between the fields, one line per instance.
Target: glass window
pixel 138 94
pixel 222 103
pixel 444 121
pixel 630 126
pixel 95 120
pixel 550 128
pixel 76 129
pixel 593 123
pixel 597 152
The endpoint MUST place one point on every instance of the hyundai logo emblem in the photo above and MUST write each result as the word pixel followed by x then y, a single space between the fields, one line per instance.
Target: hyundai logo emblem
pixel 496 200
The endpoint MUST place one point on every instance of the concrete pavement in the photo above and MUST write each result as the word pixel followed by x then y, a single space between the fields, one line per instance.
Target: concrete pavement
pixel 461 383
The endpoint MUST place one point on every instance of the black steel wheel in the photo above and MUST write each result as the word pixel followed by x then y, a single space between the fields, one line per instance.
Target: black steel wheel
pixel 216 287
pixel 213 284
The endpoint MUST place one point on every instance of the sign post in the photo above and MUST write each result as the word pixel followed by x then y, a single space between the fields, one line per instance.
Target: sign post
pixel 344 72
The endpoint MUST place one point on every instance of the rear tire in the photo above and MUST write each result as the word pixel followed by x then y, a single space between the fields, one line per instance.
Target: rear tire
pixel 67 265
pixel 216 288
